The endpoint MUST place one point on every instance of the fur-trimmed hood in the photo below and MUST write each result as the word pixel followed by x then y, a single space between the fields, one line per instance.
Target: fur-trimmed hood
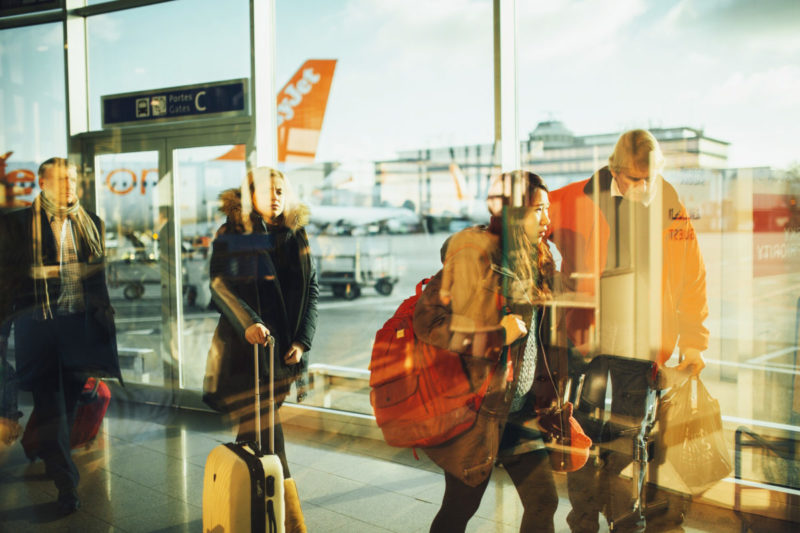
pixel 294 217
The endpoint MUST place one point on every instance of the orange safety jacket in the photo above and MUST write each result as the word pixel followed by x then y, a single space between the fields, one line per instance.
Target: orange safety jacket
pixel 573 215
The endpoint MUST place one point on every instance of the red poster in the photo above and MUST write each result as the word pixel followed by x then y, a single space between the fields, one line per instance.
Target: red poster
pixel 776 234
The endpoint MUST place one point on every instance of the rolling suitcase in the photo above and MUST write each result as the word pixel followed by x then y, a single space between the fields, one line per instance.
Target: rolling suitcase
pixel 92 407
pixel 242 486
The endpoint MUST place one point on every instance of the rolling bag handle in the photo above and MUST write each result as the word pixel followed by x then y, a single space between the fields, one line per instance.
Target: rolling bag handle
pixel 257 413
pixel 271 343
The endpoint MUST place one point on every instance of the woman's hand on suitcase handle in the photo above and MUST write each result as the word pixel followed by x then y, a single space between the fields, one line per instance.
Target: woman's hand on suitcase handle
pixel 256 334
pixel 295 354
pixel 514 327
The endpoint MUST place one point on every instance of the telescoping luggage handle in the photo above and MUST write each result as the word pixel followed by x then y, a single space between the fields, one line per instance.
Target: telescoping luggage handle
pixel 271 344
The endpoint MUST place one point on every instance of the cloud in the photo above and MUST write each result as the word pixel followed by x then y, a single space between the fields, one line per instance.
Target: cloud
pixel 774 89
pixel 574 29
pixel 409 73
pixel 105 29
pixel 762 25
pixel 445 33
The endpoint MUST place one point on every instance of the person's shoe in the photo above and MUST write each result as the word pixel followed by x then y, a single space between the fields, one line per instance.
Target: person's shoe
pixel 68 501
pixel 294 521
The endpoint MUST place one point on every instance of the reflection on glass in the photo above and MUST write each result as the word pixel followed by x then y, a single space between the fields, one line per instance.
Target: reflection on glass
pixel 165 45
pixel 200 175
pixel 32 105
pixel 129 192
pixel 382 198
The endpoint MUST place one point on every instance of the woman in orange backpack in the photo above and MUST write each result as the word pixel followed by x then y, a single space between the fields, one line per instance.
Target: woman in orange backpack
pixel 487 305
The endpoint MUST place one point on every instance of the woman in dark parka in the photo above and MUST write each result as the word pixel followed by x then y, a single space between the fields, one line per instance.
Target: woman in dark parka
pixel 264 283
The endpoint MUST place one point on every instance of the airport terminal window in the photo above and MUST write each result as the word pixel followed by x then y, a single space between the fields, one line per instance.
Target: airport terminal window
pixel 386 130
pixel 201 175
pixel 378 176
pixel 138 263
pixel 32 104
pixel 723 104
pixel 165 45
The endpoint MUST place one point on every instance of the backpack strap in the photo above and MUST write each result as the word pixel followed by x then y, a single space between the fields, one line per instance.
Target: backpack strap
pixel 420 286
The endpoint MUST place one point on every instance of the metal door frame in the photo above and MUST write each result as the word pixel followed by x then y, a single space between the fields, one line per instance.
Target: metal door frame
pixel 165 139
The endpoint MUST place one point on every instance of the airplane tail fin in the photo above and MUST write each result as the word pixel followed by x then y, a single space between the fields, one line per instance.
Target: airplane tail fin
pixel 301 108
pixel 460 183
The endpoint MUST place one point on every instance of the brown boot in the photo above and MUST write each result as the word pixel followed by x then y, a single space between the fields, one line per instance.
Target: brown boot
pixel 294 515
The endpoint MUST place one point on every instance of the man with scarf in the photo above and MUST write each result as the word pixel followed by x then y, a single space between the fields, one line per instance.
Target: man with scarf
pixel 54 291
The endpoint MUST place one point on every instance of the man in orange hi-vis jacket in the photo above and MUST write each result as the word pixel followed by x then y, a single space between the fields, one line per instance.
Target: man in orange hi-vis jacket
pixel 628 245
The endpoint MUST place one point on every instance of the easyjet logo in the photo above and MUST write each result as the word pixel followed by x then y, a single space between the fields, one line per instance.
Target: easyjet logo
pixel 20 182
pixel 295 92
pixel 118 181
pixel 124 180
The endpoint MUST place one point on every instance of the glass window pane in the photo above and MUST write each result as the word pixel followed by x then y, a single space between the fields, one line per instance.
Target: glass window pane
pixel 32 104
pixel 166 45
pixel 202 174
pixel 717 86
pixel 139 274
pixel 380 177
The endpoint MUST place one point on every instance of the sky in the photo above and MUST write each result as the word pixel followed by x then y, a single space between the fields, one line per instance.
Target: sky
pixel 415 74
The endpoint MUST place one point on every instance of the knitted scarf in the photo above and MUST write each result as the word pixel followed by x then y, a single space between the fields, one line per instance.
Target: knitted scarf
pixel 89 242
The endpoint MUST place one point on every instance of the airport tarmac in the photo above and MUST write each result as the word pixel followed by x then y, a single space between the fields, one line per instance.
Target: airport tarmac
pixel 752 322
pixel 345 330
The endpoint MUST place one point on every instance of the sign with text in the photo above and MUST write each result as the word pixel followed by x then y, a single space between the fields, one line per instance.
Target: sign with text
pixel 219 99
pixel 776 234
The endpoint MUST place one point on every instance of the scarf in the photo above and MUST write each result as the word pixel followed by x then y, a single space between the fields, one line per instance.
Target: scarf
pixel 89 242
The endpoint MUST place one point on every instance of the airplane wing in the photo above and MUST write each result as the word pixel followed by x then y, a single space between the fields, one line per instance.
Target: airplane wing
pixel 360 216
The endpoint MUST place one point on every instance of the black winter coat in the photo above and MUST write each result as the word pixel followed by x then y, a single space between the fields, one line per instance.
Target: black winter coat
pixel 246 288
pixel 18 301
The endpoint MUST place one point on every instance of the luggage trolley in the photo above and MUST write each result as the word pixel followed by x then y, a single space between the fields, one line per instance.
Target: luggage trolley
pixel 347 274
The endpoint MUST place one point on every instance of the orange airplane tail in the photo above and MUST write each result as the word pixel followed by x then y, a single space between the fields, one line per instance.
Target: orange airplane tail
pixel 459 181
pixel 301 108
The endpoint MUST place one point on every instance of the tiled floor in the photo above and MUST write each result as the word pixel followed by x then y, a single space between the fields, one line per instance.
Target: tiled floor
pixel 145 473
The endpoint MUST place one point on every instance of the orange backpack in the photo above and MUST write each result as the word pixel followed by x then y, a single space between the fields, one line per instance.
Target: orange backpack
pixel 420 394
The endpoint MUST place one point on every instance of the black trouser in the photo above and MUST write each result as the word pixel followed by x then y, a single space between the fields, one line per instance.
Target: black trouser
pixel 533 479
pixel 55 390
pixel 247 433
pixel 597 487
pixel 55 397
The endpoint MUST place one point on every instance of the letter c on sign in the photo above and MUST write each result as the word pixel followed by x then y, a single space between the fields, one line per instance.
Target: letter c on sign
pixel 197 101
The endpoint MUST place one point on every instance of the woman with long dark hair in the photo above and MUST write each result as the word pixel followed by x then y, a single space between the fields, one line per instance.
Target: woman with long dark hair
pixel 486 306
pixel 264 282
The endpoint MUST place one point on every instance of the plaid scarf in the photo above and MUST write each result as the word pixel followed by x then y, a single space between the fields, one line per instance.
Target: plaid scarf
pixel 89 242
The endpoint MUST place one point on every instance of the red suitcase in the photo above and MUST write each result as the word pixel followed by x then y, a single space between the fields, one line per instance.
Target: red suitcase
pixel 92 407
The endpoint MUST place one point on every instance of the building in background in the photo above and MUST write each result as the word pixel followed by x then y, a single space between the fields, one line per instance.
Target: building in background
pixel 452 181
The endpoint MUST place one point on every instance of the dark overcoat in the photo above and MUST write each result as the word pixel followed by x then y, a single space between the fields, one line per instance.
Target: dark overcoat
pixel 246 289
pixel 18 301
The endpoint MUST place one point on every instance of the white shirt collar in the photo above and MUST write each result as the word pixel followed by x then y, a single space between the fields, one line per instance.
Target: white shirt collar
pixel 615 192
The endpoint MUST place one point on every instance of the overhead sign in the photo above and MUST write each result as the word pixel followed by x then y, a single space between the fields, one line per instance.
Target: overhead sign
pixel 20 7
pixel 219 99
